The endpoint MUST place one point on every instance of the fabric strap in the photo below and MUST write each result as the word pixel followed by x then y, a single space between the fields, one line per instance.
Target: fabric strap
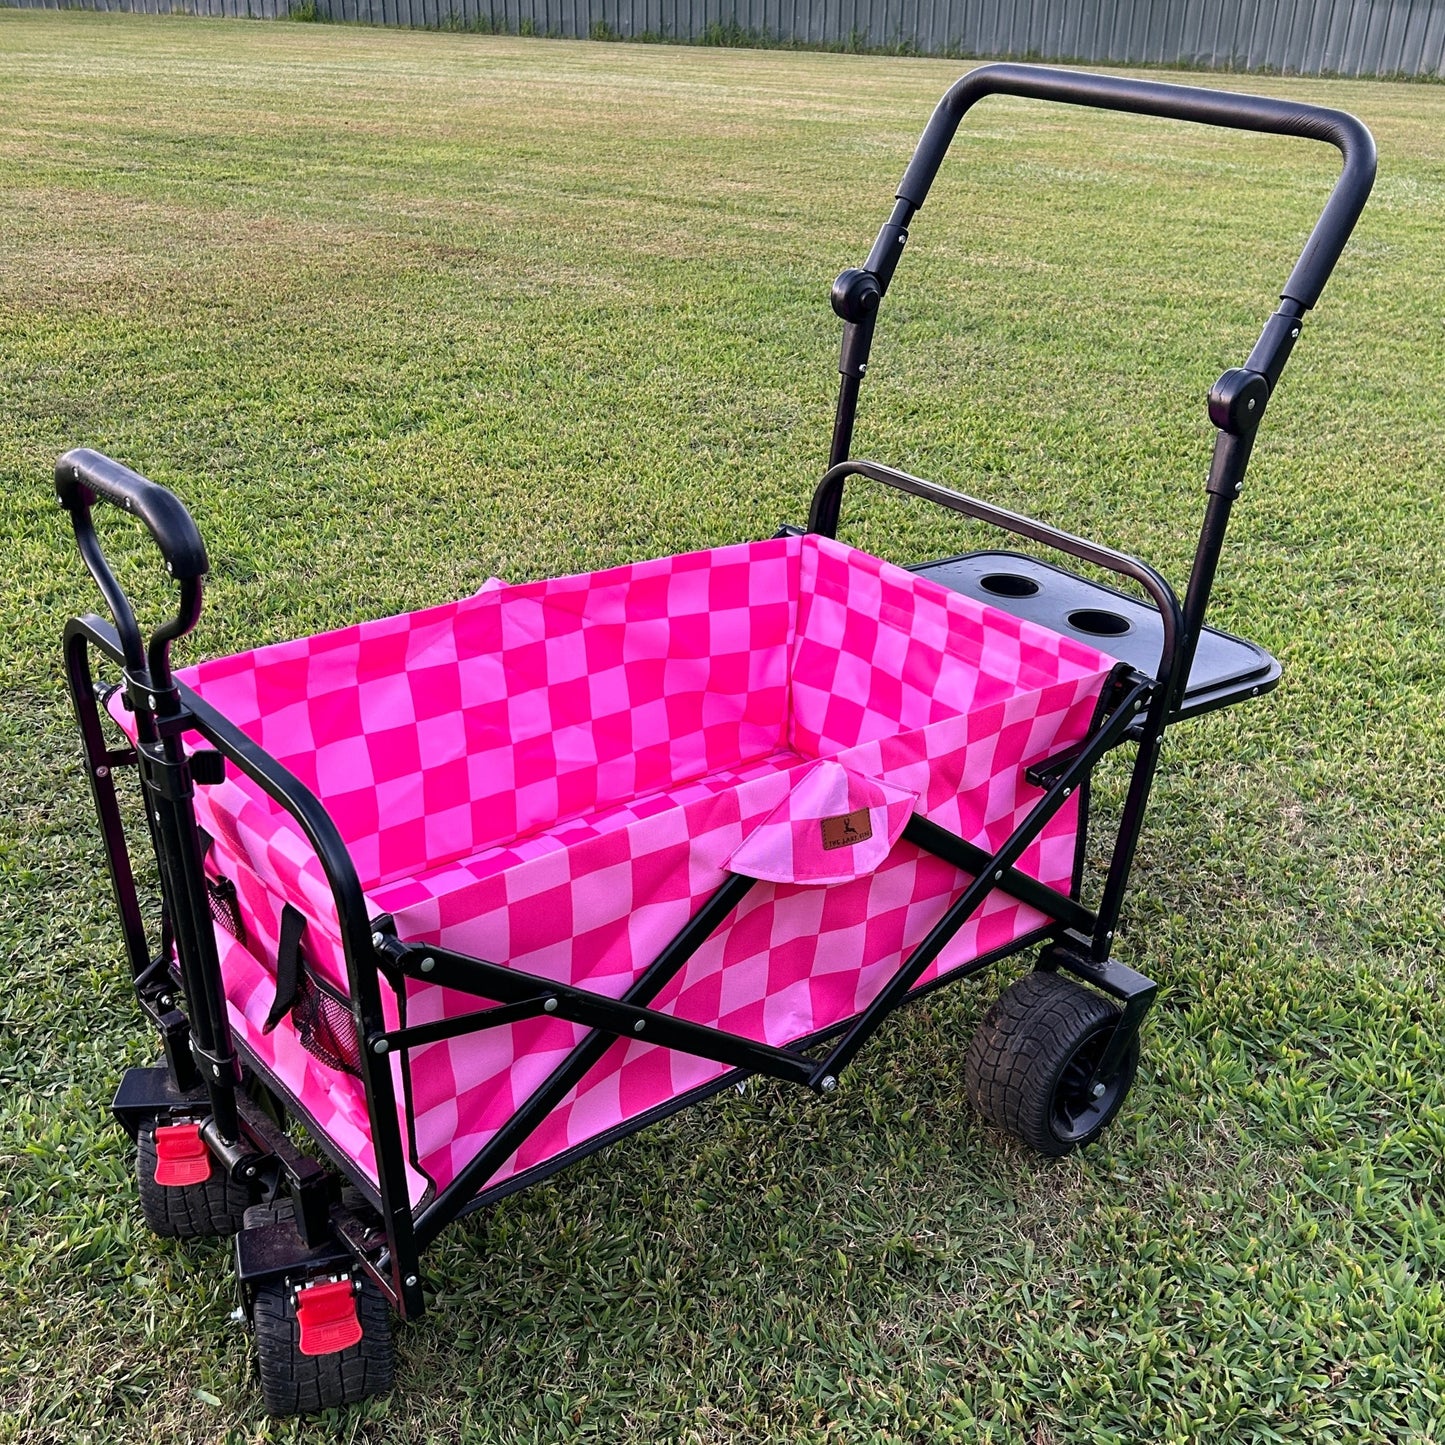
pixel 288 966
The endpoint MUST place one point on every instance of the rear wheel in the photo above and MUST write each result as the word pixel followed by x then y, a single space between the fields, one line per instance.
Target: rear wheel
pixel 1030 1067
pixel 297 1384
pixel 214 1207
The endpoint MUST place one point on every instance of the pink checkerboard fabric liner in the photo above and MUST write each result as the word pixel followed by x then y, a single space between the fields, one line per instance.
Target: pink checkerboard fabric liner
pixel 555 775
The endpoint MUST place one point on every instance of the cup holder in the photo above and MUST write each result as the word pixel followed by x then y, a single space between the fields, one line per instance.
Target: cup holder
pixel 1098 623
pixel 1008 584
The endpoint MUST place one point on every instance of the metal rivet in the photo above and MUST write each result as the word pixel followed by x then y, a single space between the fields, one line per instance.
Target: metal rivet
pixel 102 772
pixel 428 963
pixel 863 369
pixel 828 1084
pixel 411 1281
pixel 151 701
pixel 380 1046
pixel 1067 791
pixel 1109 934
pixel 638 1027
pixel 377 940
pixel 997 876
pixel 550 1006
pixel 1294 333
pixel 1254 692
pixel 1251 404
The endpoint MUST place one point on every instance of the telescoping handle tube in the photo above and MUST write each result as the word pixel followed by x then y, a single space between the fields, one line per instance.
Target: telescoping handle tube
pixel 84 477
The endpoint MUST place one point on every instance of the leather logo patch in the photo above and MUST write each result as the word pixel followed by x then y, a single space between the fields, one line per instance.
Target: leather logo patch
pixel 846 829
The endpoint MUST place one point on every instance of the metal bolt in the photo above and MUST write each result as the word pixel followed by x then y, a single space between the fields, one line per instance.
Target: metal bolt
pixel 428 963
pixel 863 369
pixel 1294 333
pixel 1067 791
pixel 1254 692
pixel 997 876
pixel 380 1046
pixel 550 1006
pixel 238 1316
pixel 410 1281
pixel 1109 934
pixel 377 940
pixel 102 771
pixel 1250 407
pixel 250 1171
pixel 638 1027
pixel 828 1084
pixel 1098 1091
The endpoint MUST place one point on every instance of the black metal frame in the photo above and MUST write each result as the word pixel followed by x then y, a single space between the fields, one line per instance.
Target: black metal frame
pixel 210 1074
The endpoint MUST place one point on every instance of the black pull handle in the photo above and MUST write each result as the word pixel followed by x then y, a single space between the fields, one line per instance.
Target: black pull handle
pixel 83 477
pixel 1174 102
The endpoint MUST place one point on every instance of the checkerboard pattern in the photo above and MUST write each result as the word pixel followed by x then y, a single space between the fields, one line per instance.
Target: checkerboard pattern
pixel 557 775
pixel 834 825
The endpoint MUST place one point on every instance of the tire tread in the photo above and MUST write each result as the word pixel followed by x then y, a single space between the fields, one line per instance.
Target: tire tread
pixel 209 1210
pixel 297 1384
pixel 1022 1046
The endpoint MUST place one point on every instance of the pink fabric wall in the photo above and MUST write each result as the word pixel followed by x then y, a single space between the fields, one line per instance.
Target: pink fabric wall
pixel 555 775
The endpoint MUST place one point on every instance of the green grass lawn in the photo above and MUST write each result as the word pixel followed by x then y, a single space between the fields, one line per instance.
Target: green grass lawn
pixel 396 311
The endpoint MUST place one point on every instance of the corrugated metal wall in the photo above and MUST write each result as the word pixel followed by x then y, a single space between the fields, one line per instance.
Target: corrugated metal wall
pixel 1309 37
pixel 217 9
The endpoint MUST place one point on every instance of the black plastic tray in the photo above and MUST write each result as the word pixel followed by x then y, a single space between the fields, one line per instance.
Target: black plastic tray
pixel 1226 669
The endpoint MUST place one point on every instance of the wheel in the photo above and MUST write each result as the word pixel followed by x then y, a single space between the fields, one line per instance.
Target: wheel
pixel 297 1384
pixel 1029 1065
pixel 214 1207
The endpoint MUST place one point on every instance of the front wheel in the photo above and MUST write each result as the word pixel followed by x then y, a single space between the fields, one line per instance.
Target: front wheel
pixel 214 1207
pixel 293 1383
pixel 1030 1066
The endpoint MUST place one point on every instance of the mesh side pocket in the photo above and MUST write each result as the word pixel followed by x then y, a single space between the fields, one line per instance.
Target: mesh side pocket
pixel 226 907
pixel 325 1027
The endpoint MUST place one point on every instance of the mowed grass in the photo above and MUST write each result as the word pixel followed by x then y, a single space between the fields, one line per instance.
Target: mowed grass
pixel 393 312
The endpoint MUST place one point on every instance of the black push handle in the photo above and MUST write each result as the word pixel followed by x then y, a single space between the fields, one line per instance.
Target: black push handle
pixel 1175 102
pixel 83 477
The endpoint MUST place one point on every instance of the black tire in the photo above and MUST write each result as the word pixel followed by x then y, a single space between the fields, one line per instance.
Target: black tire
pixel 213 1208
pixel 297 1384
pixel 1029 1064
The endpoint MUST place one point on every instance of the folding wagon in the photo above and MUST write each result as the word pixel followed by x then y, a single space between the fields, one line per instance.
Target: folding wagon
pixel 473 891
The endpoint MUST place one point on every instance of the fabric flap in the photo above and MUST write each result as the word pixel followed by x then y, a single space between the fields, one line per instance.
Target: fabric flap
pixel 834 825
